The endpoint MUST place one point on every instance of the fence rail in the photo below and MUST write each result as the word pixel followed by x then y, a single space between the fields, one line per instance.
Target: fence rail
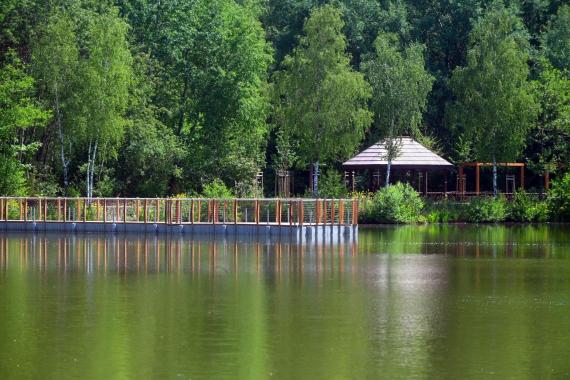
pixel 181 210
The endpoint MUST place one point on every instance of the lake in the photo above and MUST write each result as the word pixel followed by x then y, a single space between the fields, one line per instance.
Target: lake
pixel 410 302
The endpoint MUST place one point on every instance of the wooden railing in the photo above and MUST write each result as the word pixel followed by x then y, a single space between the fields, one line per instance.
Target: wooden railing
pixel 181 210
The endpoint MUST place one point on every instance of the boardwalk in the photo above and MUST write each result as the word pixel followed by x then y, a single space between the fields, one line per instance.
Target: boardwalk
pixel 301 217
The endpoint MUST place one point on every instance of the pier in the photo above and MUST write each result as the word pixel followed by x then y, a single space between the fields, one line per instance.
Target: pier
pixel 305 219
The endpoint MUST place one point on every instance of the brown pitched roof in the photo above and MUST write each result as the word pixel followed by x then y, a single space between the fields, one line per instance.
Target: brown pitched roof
pixel 413 155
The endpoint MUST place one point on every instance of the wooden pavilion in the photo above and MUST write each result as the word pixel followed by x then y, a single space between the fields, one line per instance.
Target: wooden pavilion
pixel 412 157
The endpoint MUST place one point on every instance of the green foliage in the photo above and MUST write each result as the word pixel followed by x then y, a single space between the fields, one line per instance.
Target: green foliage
pixel 320 100
pixel 487 210
pixel 494 103
pixel 526 208
pixel 400 86
pixel 216 189
pixel 398 203
pixel 332 185
pixel 547 146
pixel 12 177
pixel 556 39
pixel 18 112
pixel 444 212
pixel 559 199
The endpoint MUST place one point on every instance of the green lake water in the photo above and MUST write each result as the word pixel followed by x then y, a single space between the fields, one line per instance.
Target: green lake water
pixel 427 302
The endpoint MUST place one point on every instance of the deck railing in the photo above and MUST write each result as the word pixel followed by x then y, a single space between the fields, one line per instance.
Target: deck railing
pixel 181 210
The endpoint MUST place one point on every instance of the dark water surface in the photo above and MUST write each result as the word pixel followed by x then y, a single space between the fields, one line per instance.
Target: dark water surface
pixel 431 302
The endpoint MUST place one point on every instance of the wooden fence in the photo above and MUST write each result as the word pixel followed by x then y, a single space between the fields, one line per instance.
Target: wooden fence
pixel 181 210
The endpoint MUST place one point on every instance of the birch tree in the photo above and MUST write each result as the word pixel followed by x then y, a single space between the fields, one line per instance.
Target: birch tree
pixel 320 100
pixel 494 103
pixel 55 59
pixel 400 85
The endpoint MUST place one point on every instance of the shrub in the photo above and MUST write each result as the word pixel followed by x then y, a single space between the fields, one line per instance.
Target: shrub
pixel 216 189
pixel 559 199
pixel 487 210
pixel 398 203
pixel 331 185
pixel 527 208
pixel 444 212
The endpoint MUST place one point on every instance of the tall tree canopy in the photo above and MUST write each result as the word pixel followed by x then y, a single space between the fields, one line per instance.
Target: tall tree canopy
pixel 556 39
pixel 83 64
pixel 400 85
pixel 18 111
pixel 494 103
pixel 320 100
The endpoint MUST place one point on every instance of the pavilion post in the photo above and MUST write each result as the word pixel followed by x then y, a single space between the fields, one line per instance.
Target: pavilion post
pixel 522 177
pixel 477 179
pixel 546 181
pixel 426 182
pixel 460 181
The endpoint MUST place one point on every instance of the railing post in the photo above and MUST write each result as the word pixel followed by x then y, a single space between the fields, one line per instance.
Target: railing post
pixel 117 211
pixel 98 209
pixel 85 209
pixel 317 210
pixel 192 211
pixel 199 211
pixel 256 211
pixel 178 212
pixel 302 212
pixel 137 209
pixel 105 210
pixel 278 212
pixel 341 212
pixel 45 209
pixel 209 210
pixel 290 212
pixel 125 210
pixel 64 210
pixel 145 212
pixel 77 211
pixel 166 208
pixel 235 211
pixel 26 209
pixel 354 212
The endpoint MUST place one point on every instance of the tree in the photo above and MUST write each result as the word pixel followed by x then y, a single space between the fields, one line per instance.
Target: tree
pixel 18 111
pixel 400 86
pixel 106 75
pixel 556 39
pixel 320 100
pixel 55 59
pixel 494 104
pixel 214 63
pixel 549 140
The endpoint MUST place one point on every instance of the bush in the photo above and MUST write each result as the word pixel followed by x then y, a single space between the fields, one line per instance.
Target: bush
pixel 216 189
pixel 526 208
pixel 487 210
pixel 331 185
pixel 559 199
pixel 398 203
pixel 444 212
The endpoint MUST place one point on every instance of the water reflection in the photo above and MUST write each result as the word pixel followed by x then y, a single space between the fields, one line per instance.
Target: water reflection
pixel 468 241
pixel 405 302
pixel 135 254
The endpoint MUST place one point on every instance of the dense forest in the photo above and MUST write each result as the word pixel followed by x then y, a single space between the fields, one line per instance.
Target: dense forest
pixel 154 98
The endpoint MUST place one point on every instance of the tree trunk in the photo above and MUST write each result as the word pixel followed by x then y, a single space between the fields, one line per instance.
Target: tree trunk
pixel 64 162
pixel 316 179
pixel 91 156
pixel 495 188
pixel 388 169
